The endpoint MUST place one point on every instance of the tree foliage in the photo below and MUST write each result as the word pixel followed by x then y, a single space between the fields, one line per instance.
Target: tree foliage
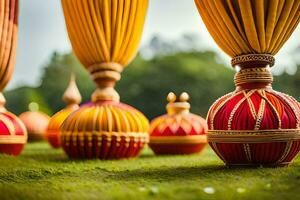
pixel 145 83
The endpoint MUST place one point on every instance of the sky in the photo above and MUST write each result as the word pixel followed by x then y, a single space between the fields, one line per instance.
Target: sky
pixel 42 31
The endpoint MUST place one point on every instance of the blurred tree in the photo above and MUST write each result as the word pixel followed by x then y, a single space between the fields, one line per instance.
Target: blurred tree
pixel 19 99
pixel 56 76
pixel 146 82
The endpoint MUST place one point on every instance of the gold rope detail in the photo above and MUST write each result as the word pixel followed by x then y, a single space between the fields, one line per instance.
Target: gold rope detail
pixel 215 147
pixel 247 152
pixel 253 75
pixel 286 152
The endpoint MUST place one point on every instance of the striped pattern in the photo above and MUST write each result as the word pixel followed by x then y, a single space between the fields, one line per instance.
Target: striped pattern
pixel 255 127
pixel 250 26
pixel 106 130
pixel 8 39
pixel 13 134
pixel 53 131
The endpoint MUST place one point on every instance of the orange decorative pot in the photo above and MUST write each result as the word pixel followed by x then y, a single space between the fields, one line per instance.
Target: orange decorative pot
pixel 72 98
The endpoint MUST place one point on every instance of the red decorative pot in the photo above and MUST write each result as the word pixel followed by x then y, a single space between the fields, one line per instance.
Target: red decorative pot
pixel 255 125
pixel 13 135
pixel 179 131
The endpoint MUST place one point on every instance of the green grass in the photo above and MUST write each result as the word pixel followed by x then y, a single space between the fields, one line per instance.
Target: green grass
pixel 44 173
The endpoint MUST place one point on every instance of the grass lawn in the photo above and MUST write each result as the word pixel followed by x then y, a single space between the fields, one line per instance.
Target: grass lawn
pixel 44 173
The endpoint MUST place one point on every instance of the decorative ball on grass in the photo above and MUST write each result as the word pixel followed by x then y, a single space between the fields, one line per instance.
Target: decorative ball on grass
pixel 255 126
pixel 108 130
pixel 105 128
pixel 179 131
pixel 36 122
pixel 13 134
pixel 72 98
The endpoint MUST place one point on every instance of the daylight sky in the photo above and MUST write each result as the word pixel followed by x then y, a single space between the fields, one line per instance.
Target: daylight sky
pixel 42 31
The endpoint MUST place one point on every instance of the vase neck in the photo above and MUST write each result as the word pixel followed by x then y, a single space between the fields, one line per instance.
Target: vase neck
pixel 105 75
pixel 253 71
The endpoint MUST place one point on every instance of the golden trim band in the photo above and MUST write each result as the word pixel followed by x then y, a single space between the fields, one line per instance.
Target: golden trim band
pixel 13 139
pixel 266 58
pixel 190 139
pixel 74 136
pixel 253 75
pixel 259 136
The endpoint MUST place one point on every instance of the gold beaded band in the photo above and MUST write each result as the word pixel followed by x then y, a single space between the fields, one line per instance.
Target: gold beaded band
pixel 81 136
pixel 190 139
pixel 13 139
pixel 253 58
pixel 260 136
pixel 253 75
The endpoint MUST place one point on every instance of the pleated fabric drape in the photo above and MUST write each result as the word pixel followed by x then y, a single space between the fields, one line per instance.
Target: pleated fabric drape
pixel 104 31
pixel 8 39
pixel 250 26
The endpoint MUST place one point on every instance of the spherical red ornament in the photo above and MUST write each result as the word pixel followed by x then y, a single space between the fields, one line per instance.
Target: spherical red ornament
pixel 255 126
pixel 13 135
pixel 104 130
pixel 179 131
pixel 36 124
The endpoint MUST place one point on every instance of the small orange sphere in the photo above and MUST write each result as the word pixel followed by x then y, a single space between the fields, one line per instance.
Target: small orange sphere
pixel 36 124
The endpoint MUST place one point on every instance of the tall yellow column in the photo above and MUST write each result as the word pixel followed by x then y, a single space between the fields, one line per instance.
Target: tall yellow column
pixel 105 36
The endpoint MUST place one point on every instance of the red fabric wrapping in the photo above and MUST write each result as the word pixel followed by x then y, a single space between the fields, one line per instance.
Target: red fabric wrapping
pixel 279 112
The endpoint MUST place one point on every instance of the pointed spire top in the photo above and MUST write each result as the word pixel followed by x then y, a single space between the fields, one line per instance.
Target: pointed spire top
pixel 72 94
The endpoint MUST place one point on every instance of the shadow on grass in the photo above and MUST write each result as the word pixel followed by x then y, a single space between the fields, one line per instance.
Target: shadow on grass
pixel 179 173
